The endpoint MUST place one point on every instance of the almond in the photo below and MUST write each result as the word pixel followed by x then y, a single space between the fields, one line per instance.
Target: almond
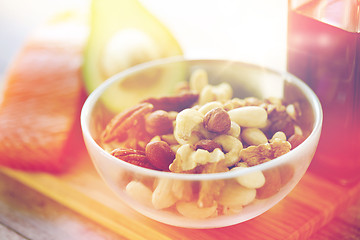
pixel 158 123
pixel 159 154
pixel 295 140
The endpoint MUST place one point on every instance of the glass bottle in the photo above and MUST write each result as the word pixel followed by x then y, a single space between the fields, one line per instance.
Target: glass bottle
pixel 324 51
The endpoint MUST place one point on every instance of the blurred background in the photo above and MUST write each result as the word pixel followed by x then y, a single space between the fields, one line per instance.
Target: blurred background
pixel 19 17
pixel 248 30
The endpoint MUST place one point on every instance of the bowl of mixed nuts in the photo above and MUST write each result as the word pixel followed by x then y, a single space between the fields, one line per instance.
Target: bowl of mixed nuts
pixel 201 143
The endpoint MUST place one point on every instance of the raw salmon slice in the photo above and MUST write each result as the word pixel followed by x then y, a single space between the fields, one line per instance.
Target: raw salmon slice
pixel 41 99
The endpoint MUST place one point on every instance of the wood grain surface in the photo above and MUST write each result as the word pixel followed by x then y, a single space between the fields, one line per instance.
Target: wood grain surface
pixel 28 214
pixel 309 207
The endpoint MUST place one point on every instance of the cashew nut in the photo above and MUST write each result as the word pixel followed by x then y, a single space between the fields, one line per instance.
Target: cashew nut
pixel 186 122
pixel 139 192
pixel 232 146
pixel 206 95
pixel 223 92
pixel 198 80
pixel 202 157
pixel 210 106
pixel 163 197
pixel 187 158
pixel 235 130
pixel 181 162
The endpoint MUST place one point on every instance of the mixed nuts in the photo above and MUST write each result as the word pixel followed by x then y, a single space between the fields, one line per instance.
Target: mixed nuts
pixel 202 129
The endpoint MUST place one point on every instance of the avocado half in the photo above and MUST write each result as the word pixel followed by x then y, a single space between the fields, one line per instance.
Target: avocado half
pixel 123 34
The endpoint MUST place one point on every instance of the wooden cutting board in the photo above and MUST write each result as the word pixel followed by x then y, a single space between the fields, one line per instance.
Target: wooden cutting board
pixel 312 204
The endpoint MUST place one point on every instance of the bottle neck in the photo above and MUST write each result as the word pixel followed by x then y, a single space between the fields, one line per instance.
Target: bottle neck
pixel 344 14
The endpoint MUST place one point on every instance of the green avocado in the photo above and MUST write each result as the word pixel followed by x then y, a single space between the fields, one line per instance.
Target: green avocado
pixel 123 34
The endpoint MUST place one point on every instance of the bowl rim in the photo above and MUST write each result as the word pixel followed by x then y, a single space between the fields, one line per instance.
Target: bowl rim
pixel 95 95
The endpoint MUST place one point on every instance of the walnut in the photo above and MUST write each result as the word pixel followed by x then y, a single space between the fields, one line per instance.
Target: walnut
pixel 281 121
pixel 255 155
pixel 119 126
pixel 279 148
pixel 210 190
pixel 234 103
pixel 252 101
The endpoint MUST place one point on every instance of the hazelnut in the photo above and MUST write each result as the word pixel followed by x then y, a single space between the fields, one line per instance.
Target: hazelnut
pixel 206 144
pixel 159 154
pixel 158 123
pixel 217 120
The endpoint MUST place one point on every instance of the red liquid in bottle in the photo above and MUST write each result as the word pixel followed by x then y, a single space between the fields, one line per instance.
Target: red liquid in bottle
pixel 324 51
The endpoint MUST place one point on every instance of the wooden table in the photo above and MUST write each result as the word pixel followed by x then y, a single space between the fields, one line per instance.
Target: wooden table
pixel 29 212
